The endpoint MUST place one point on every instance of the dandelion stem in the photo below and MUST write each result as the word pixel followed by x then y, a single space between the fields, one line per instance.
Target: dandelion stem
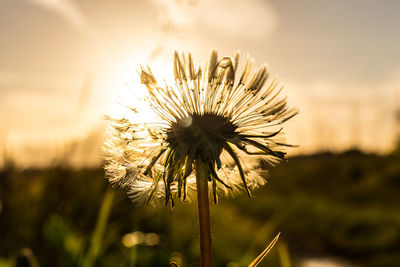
pixel 203 213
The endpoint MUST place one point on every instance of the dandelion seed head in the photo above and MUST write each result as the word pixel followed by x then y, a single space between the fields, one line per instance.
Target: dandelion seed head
pixel 210 116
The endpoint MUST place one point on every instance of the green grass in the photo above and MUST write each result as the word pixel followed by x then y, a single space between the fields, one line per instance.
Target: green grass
pixel 343 206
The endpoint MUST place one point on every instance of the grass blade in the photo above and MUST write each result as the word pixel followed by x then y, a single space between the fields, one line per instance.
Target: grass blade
pixel 265 252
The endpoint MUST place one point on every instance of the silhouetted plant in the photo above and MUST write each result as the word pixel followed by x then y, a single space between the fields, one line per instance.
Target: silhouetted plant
pixel 209 124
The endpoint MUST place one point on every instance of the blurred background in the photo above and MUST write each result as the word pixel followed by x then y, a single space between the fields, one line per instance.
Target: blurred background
pixel 63 64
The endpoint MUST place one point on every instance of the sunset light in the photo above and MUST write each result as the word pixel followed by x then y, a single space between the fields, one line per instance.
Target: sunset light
pixel 284 149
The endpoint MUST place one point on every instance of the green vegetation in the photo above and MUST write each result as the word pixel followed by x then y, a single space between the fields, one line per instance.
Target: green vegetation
pixel 343 206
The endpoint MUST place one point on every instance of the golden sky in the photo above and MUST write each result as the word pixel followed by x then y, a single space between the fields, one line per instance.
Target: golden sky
pixel 62 62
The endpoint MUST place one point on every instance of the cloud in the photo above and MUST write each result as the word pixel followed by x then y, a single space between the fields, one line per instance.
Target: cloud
pixel 341 116
pixel 253 19
pixel 67 10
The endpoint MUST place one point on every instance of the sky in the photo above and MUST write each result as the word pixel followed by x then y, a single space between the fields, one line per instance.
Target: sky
pixel 62 63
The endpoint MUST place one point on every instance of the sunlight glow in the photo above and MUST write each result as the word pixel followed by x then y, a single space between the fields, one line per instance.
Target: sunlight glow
pixel 131 92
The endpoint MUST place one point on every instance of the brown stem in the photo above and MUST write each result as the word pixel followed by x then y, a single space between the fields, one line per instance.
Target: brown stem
pixel 203 213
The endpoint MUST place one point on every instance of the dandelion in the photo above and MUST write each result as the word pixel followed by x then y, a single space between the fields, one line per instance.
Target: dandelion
pixel 210 126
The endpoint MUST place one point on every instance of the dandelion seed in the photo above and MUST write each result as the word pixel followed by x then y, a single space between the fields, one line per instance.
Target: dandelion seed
pixel 211 117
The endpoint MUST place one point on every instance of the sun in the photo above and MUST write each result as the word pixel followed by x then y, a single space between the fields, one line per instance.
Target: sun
pixel 130 92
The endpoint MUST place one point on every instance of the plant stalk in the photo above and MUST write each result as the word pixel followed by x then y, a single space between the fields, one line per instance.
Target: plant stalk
pixel 101 225
pixel 203 210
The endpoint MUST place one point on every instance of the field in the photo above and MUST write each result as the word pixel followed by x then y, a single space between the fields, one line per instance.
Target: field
pixel 343 207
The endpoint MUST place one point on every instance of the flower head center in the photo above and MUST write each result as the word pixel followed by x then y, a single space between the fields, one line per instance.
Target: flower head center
pixel 201 135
